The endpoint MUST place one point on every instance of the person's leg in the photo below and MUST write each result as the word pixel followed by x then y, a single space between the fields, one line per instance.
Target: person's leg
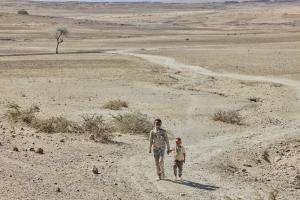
pixel 161 165
pixel 180 168
pixel 156 158
pixel 175 168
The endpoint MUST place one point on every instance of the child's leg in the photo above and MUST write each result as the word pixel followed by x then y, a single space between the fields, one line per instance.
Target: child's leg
pixel 180 167
pixel 175 168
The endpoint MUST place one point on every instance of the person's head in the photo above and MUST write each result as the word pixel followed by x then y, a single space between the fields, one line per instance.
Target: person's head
pixel 157 123
pixel 178 141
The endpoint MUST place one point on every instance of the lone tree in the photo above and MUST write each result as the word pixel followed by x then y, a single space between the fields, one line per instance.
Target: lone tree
pixel 61 32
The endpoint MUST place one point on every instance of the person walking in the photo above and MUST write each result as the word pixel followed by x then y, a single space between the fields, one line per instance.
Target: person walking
pixel 158 142
pixel 180 155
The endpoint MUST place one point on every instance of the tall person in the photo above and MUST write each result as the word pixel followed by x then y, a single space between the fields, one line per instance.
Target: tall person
pixel 158 142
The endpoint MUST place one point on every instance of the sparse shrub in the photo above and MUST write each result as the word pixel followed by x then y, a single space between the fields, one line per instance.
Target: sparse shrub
pixel 230 117
pixel 132 123
pixel 55 125
pixel 91 124
pixel 16 114
pixel 23 12
pixel 116 105
pixel 96 126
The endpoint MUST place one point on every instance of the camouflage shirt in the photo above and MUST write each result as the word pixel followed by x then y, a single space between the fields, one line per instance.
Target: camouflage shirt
pixel 159 139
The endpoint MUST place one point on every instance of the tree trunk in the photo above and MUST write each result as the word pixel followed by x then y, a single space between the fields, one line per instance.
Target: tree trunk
pixel 57 47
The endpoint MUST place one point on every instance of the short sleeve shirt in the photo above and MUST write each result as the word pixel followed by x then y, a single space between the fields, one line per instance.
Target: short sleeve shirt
pixel 179 153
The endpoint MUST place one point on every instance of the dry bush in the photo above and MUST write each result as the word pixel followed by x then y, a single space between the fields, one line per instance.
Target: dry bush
pixel 96 126
pixel 230 117
pixel 132 123
pixel 56 125
pixel 116 105
pixel 16 114
pixel 23 12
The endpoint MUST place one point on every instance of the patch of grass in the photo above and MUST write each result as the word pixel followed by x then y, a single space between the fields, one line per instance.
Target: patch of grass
pixel 230 117
pixel 116 105
pixel 136 123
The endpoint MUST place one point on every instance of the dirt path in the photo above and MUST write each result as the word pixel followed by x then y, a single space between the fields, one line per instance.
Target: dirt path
pixel 173 64
pixel 199 182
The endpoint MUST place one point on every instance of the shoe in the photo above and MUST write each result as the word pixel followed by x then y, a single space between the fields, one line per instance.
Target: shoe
pixel 158 178
pixel 175 178
pixel 162 176
pixel 180 179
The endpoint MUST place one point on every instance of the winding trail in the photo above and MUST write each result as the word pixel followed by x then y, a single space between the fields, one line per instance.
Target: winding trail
pixel 201 184
pixel 173 64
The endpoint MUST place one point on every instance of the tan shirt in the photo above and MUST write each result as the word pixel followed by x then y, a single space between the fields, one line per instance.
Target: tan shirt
pixel 179 153
pixel 159 139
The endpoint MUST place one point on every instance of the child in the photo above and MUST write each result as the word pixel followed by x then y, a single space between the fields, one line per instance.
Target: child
pixel 179 159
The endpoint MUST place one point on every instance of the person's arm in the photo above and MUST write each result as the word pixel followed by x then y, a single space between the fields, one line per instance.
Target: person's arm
pixel 151 141
pixel 167 142
pixel 184 155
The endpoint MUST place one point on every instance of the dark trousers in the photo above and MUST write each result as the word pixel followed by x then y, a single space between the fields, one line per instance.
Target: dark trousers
pixel 178 165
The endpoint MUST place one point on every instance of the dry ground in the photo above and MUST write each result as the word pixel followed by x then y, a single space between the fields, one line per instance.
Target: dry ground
pixel 180 62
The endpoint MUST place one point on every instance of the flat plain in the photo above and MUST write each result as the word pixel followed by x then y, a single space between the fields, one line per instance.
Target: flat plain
pixel 189 64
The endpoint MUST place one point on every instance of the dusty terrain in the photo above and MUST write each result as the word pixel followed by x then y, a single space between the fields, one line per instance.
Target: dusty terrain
pixel 179 62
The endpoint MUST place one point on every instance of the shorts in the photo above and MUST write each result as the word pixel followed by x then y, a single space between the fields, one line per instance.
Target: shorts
pixel 159 152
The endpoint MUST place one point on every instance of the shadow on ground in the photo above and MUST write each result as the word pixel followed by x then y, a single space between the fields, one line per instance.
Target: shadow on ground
pixel 194 185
